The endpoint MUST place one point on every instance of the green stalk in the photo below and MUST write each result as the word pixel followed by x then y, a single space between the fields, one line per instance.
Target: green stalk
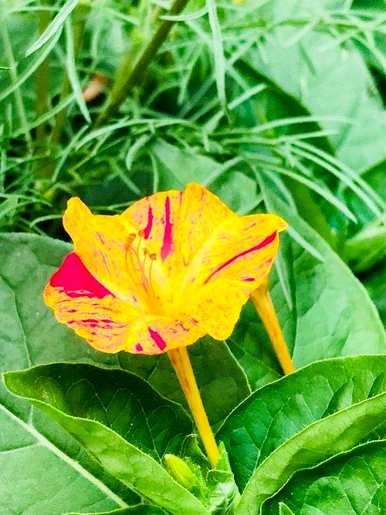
pixel 13 74
pixel 42 86
pixel 79 23
pixel 47 167
pixel 123 87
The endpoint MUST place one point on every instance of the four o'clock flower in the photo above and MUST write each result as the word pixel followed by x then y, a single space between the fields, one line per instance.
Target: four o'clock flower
pixel 171 268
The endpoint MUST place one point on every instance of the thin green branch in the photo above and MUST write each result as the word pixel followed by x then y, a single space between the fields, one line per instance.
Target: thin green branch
pixel 136 75
pixel 79 23
pixel 13 74
pixel 42 85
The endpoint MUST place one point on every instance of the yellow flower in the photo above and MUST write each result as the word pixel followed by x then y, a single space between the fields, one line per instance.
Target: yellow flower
pixel 171 268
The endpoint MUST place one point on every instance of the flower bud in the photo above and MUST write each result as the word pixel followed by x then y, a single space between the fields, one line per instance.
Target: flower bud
pixel 180 471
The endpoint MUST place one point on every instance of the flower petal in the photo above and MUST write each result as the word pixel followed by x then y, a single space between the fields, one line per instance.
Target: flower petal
pixel 241 249
pixel 85 305
pixel 157 218
pixel 234 261
pixel 102 243
pixel 218 307
pixel 175 224
pixel 157 334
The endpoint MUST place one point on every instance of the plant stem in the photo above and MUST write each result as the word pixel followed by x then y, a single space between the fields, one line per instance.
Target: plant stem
pixel 79 23
pixel 180 360
pixel 266 310
pixel 136 75
pixel 42 86
pixel 13 75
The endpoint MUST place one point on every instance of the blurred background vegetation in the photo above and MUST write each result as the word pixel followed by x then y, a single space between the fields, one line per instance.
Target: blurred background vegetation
pixel 273 105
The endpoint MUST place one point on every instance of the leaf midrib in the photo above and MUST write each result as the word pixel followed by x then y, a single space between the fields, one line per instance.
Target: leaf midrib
pixel 45 442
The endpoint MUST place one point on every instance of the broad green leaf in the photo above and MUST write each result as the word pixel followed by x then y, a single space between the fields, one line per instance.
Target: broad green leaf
pixel 213 379
pixel 315 443
pixel 375 284
pixel 132 510
pixel 327 79
pixel 284 510
pixel 36 451
pixel 375 178
pixel 99 409
pixel 366 248
pixel 178 167
pixel 216 488
pixel 324 320
pixel 223 491
pixel 353 482
pixel 282 409
pixel 121 401
pixel 366 245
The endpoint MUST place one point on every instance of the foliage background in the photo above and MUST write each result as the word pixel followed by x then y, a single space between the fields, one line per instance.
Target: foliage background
pixel 274 106
pixel 253 91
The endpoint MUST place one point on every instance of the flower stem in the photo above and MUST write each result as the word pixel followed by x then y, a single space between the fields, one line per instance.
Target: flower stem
pixel 137 73
pixel 266 310
pixel 181 363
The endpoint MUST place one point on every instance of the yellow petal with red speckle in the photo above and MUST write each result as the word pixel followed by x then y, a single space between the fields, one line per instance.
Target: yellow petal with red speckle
pixel 102 243
pixel 157 334
pixel 87 307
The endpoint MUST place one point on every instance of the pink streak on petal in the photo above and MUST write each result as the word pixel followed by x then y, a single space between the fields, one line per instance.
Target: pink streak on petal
pixel 259 246
pixel 150 218
pixel 167 245
pixel 157 339
pixel 76 280
pixel 248 279
pixel 138 347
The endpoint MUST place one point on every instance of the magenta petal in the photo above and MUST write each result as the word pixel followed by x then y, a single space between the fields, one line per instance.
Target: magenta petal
pixel 76 281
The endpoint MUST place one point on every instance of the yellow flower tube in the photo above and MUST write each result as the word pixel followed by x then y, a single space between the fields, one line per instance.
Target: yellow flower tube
pixel 265 308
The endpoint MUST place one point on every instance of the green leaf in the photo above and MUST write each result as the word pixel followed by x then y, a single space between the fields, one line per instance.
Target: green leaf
pixel 326 79
pixel 366 245
pixel 119 400
pixel 324 320
pixel 215 487
pixel 36 451
pixel 213 379
pixel 353 482
pixel 99 409
pixel 323 422
pixel 366 248
pixel 280 410
pixel 218 51
pixel 375 178
pixel 375 284
pixel 178 167
pixel 131 510
pixel 53 28
pixel 284 510
pixel 223 492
